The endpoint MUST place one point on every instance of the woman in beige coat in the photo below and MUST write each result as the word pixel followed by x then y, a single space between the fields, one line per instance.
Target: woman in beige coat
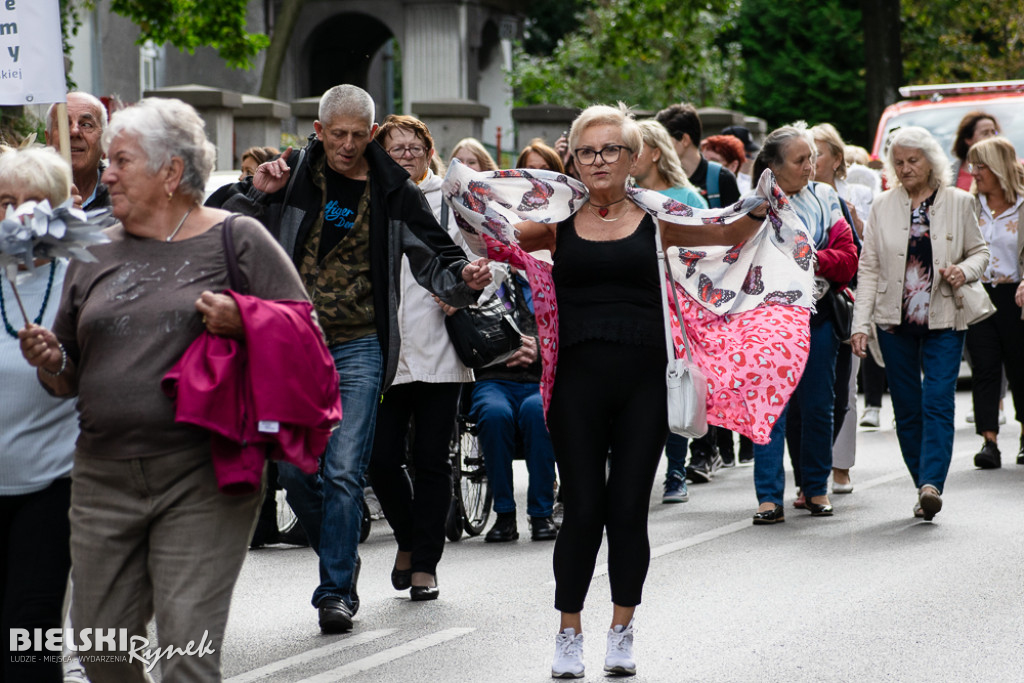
pixel 918 291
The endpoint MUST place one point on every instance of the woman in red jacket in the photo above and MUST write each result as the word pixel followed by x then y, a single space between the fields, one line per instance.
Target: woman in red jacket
pixel 789 152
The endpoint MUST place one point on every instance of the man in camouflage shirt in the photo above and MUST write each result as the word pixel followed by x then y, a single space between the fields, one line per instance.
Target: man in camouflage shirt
pixel 346 213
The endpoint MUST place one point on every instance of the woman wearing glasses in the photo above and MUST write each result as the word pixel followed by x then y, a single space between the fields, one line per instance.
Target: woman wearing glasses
pixel 426 389
pixel 607 405
pixel 995 343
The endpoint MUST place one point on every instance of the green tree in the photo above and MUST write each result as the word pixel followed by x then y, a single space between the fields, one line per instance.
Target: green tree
pixel 805 61
pixel 647 53
pixel 185 24
pixel 948 41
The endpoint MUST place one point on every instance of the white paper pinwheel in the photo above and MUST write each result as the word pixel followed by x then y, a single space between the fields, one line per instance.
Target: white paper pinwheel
pixel 35 230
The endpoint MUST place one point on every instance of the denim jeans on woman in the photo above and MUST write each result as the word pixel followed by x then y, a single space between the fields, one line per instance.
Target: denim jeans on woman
pixel 501 409
pixel 815 396
pixel 922 372
pixel 329 503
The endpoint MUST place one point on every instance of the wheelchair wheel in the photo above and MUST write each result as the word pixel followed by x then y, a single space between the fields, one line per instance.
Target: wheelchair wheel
pixel 473 489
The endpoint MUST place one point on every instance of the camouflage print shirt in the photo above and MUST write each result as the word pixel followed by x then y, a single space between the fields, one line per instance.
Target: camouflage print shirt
pixel 339 285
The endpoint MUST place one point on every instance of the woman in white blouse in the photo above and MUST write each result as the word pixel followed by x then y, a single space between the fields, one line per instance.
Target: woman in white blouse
pixel 995 343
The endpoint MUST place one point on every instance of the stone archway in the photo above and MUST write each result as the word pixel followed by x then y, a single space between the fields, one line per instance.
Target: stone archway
pixel 345 49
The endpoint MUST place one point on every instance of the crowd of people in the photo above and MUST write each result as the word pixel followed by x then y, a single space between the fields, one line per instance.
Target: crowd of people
pixel 358 245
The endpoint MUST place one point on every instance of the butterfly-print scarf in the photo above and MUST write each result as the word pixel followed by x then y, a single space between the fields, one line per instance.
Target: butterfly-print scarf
pixel 746 308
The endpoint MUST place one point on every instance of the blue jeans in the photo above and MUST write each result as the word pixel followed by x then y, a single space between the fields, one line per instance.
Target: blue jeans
pixel 500 410
pixel 815 395
pixel 329 503
pixel 924 407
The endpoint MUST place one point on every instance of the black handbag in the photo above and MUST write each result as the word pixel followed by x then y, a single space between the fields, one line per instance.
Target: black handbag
pixel 839 303
pixel 485 333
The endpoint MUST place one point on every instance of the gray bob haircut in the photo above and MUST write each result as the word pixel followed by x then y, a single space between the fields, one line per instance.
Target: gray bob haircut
pixel 37 171
pixel 346 100
pixel 602 114
pixel 164 129
pixel 916 137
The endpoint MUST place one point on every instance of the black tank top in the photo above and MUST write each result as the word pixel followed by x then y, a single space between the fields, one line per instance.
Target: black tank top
pixel 608 290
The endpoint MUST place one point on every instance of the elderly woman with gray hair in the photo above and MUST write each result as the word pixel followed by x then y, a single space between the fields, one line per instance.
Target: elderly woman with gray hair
pixel 152 535
pixel 918 291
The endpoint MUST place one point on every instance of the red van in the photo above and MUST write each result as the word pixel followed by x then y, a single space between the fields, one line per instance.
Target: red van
pixel 939 108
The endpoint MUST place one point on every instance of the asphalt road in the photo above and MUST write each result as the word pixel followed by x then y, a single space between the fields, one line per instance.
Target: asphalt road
pixel 868 595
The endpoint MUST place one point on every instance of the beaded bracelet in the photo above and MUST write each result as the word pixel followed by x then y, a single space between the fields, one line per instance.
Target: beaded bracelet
pixel 63 364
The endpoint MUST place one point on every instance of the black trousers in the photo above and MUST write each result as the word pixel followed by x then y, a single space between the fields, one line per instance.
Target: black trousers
pixel 416 510
pixel 608 421
pixel 995 343
pixel 872 378
pixel 35 542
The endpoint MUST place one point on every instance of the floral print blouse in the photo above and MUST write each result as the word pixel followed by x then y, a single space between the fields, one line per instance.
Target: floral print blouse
pixel 917 282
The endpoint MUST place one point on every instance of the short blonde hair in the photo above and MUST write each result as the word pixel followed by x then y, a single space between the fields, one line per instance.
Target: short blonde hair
pixel 1001 158
pixel 827 133
pixel 916 137
pixel 602 114
pixel 477 149
pixel 36 170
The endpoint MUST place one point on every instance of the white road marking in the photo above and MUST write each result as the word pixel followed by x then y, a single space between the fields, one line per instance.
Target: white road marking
pixel 387 656
pixel 310 655
pixel 675 546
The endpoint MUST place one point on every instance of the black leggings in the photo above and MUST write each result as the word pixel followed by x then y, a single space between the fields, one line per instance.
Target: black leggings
pixel 416 511
pixel 606 397
pixel 36 558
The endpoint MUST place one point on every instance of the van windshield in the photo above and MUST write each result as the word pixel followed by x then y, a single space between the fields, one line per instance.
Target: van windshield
pixel 942 120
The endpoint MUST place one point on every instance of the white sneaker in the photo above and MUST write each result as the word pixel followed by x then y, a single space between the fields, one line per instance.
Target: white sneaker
pixel 619 659
pixel 870 417
pixel 568 655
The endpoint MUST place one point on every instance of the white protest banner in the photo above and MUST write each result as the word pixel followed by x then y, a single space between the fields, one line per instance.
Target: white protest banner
pixel 31 53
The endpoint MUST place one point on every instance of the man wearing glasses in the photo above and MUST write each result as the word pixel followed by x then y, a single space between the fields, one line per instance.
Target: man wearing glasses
pixel 346 213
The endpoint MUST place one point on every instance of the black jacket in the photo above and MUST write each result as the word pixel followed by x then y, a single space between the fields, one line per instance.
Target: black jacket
pixel 401 222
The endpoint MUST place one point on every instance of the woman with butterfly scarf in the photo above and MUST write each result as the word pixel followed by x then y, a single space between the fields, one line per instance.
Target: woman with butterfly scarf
pixel 789 152
pixel 606 333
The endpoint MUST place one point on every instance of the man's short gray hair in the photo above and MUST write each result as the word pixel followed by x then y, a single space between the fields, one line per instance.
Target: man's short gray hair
pixel 164 129
pixel 916 137
pixel 346 100
pixel 51 113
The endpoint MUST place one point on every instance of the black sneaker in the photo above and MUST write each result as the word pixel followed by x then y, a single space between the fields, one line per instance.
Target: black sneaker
pixel 1020 453
pixel 988 458
pixel 716 462
pixel 699 469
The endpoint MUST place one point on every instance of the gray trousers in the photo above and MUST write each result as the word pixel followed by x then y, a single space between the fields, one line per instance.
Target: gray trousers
pixel 155 537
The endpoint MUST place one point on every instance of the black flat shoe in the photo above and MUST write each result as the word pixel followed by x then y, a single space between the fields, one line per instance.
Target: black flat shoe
pixel 774 516
pixel 335 616
pixel 504 529
pixel 401 579
pixel 421 593
pixel 819 510
pixel 543 529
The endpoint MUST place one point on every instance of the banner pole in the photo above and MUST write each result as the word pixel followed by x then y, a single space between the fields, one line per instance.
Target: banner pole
pixel 63 131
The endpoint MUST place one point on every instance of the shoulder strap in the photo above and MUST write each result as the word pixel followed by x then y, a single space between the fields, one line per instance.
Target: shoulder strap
pixel 236 279
pixel 711 180
pixel 665 271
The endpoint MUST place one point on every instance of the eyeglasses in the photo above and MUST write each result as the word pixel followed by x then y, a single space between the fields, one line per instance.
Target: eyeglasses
pixel 609 154
pixel 415 152
pixel 976 168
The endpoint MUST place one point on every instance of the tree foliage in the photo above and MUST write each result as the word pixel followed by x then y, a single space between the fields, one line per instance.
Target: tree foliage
pixel 185 24
pixel 805 61
pixel 647 53
pixel 948 41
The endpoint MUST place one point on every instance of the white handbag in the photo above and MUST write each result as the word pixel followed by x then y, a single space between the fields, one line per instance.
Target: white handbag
pixel 686 384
